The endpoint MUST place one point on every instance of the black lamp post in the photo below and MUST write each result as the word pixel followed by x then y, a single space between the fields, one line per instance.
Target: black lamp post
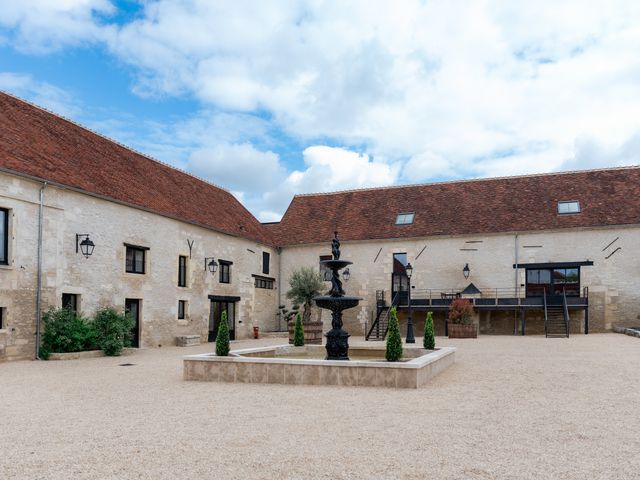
pixel 212 265
pixel 466 271
pixel 410 338
pixel 86 246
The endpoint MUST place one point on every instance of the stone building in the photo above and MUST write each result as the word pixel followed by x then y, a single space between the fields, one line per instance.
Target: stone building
pixel 158 232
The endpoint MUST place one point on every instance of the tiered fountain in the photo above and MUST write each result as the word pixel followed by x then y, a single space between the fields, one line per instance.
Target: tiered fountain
pixel 336 301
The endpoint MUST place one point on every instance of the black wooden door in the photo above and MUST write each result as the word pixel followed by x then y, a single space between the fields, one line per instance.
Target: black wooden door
pixel 132 305
pixel 215 317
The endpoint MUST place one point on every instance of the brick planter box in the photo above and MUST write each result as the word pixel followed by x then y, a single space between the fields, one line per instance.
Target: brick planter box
pixel 312 333
pixel 457 330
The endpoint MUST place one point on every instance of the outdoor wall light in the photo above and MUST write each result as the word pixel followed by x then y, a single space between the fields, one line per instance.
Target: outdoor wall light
pixel 409 270
pixel 466 271
pixel 210 264
pixel 85 246
pixel 346 274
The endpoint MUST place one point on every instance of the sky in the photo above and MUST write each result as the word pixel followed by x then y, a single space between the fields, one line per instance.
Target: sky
pixel 271 99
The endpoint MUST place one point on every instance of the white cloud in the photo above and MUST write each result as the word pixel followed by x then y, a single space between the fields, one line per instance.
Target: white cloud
pixel 238 167
pixel 46 25
pixel 41 93
pixel 425 89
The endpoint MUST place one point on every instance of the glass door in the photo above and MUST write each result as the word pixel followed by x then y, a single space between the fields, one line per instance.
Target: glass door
pixel 215 317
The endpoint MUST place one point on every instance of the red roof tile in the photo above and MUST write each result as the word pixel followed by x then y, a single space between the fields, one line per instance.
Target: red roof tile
pixel 46 146
pixel 511 204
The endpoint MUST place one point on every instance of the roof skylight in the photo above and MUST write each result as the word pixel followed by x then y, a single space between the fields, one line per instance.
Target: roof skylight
pixel 565 207
pixel 405 218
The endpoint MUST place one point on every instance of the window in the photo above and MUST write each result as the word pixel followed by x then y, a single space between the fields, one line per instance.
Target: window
pixel 70 301
pixel 2 316
pixel 324 270
pixel 182 271
pixel 182 308
pixel 225 271
pixel 263 282
pixel 553 281
pixel 399 262
pixel 405 218
pixel 135 259
pixel 266 258
pixel 4 236
pixel 568 207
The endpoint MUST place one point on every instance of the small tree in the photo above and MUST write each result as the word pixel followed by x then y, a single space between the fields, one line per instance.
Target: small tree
pixel 298 332
pixel 461 311
pixel 429 341
pixel 222 339
pixel 305 284
pixel 113 330
pixel 394 340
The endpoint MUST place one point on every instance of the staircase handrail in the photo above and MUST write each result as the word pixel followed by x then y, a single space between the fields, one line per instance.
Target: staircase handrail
pixel 546 320
pixel 374 324
pixel 566 310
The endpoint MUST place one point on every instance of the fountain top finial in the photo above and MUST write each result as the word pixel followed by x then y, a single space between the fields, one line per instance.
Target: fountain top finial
pixel 335 246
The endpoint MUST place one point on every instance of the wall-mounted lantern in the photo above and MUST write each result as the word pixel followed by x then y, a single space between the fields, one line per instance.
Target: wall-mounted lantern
pixel 466 271
pixel 210 264
pixel 346 274
pixel 85 246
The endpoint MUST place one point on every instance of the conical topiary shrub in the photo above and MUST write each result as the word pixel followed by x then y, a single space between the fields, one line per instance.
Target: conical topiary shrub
pixel 394 340
pixel 429 341
pixel 222 339
pixel 298 332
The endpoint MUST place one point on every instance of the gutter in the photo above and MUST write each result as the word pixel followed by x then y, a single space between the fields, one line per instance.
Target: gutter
pixel 39 282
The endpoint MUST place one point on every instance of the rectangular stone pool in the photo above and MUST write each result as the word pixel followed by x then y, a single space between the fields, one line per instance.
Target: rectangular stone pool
pixel 286 364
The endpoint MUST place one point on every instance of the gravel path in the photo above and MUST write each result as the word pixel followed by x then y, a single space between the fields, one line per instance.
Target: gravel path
pixel 511 407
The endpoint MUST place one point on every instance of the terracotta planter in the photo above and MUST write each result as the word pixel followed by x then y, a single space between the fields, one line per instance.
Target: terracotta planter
pixel 312 332
pixel 458 330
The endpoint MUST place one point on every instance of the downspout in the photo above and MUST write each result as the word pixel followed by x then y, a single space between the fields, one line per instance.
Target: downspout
pixel 39 283
pixel 515 322
pixel 279 250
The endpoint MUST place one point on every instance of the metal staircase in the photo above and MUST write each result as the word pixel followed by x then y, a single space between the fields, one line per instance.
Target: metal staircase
pixel 556 318
pixel 380 325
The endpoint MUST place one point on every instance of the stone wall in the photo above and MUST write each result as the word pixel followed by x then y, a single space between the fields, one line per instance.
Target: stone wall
pixel 438 262
pixel 101 280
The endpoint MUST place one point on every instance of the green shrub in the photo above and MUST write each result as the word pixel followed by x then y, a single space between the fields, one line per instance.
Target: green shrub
pixel 113 330
pixel 429 341
pixel 222 339
pixel 65 331
pixel 394 340
pixel 298 332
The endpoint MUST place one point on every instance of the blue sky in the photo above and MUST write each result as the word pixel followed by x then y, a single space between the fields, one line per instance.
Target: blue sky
pixel 270 99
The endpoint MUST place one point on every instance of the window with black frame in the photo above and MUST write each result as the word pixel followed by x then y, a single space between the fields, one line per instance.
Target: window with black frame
pixel 553 281
pixel 266 259
pixel 324 270
pixel 225 271
pixel 182 271
pixel 70 301
pixel 182 307
pixel 4 236
pixel 135 259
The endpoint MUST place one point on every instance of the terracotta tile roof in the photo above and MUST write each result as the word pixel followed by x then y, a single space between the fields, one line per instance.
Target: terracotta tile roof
pixel 527 203
pixel 46 146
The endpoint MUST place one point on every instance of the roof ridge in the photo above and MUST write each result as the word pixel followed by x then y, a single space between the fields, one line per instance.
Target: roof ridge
pixel 468 180
pixel 117 142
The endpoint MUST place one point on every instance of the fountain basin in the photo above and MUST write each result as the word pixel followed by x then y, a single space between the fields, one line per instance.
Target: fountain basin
pixel 285 364
pixel 336 304
pixel 336 264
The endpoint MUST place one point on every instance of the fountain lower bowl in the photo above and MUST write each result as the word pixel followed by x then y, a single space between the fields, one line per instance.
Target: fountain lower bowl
pixel 337 304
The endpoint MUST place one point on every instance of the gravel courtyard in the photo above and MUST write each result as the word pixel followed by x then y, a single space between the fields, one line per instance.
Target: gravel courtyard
pixel 511 407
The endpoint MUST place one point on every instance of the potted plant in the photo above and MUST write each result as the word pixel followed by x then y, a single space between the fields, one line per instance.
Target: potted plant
pixel 460 323
pixel 305 284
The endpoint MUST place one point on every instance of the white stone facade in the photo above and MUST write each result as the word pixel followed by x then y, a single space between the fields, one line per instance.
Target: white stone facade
pixel 101 280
